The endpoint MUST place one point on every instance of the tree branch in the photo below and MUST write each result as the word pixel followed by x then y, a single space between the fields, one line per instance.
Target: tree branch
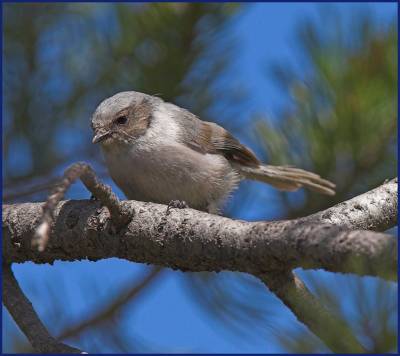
pixel 192 240
pixel 374 210
pixel 26 318
pixel 307 308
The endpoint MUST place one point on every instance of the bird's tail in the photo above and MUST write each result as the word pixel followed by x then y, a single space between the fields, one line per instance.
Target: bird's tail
pixel 288 178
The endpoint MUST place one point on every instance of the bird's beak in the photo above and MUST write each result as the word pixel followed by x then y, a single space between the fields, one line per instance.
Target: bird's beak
pixel 100 136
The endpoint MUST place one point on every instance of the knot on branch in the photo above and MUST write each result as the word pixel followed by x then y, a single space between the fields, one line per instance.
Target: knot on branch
pixel 80 170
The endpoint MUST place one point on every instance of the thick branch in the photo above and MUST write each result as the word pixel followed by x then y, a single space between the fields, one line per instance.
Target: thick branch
pixel 294 294
pixel 26 318
pixel 191 240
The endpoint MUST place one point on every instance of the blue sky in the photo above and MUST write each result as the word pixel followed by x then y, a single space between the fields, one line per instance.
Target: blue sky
pixel 265 35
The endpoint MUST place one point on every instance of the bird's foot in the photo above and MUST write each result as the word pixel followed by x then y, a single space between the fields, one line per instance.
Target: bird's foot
pixel 176 204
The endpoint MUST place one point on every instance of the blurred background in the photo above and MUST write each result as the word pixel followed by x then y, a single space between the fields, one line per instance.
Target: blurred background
pixel 311 85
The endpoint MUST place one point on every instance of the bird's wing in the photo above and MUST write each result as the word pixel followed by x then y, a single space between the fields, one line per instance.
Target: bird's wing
pixel 208 137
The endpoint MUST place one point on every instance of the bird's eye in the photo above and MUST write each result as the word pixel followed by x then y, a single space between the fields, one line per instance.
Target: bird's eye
pixel 121 120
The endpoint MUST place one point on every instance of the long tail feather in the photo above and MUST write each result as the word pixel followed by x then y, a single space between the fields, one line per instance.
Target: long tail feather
pixel 289 178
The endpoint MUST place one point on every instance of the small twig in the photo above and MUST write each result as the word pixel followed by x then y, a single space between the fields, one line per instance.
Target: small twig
pixel 101 191
pixel 308 309
pixel 29 189
pixel 127 295
pixel 26 318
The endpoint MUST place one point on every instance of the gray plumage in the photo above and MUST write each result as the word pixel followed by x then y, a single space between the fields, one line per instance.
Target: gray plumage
pixel 156 151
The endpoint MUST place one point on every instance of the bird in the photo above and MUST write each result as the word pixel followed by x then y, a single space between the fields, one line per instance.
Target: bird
pixel 158 152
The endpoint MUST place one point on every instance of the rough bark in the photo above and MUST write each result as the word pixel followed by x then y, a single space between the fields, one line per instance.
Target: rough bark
pixel 101 191
pixel 374 210
pixel 190 240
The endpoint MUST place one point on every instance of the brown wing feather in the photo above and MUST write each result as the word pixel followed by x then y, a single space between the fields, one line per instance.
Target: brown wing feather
pixel 211 138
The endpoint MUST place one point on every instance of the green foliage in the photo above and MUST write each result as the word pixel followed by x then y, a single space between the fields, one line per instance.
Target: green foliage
pixel 61 60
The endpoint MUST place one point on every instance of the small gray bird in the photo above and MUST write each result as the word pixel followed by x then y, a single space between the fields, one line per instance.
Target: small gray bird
pixel 156 151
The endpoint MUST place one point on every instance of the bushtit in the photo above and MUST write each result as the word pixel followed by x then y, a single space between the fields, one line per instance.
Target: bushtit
pixel 156 151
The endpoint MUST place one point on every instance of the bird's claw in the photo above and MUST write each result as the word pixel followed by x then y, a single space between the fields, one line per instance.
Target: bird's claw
pixel 176 204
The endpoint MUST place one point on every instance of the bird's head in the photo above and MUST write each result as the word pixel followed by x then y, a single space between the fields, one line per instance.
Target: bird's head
pixel 122 118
